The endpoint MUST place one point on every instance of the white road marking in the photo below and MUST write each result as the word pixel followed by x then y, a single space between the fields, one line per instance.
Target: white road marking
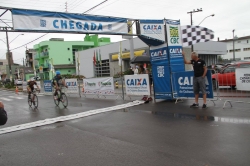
pixel 16 97
pixel 68 117
pixel 6 99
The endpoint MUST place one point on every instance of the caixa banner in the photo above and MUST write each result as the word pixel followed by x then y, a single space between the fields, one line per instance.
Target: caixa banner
pixel 153 29
pixel 72 85
pixel 34 20
pixel 183 84
pixel 47 85
pixel 137 85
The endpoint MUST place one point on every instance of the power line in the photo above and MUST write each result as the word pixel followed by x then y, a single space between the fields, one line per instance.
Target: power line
pixel 5 23
pixel 74 2
pixel 76 5
pixel 95 6
pixel 29 42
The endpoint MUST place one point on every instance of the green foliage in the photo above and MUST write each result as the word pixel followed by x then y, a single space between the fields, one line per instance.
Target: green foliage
pixel 127 72
pixel 9 85
pixel 68 76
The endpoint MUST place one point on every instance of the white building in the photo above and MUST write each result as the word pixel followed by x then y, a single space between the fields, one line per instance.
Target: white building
pixel 208 51
pixel 241 47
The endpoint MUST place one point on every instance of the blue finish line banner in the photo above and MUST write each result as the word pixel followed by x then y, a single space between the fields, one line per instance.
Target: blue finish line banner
pixel 35 20
pixel 183 84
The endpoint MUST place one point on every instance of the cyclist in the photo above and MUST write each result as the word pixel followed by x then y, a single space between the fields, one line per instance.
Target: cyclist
pixel 30 88
pixel 58 83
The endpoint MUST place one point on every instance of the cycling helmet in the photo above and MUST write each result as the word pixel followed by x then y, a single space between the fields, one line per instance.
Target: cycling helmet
pixel 58 73
pixel 32 79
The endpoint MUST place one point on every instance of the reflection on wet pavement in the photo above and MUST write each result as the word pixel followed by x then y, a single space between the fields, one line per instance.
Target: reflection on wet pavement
pixel 208 118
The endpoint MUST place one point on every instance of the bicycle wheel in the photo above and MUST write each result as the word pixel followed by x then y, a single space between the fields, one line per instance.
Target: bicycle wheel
pixel 29 102
pixel 35 102
pixel 57 100
pixel 64 100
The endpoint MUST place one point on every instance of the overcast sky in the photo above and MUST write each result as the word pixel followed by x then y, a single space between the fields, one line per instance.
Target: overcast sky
pixel 229 15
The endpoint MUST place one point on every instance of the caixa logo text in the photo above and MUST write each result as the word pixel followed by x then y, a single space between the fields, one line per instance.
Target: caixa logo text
pixel 159 53
pixel 47 84
pixel 152 27
pixel 71 84
pixel 135 82
pixel 175 51
pixel 188 81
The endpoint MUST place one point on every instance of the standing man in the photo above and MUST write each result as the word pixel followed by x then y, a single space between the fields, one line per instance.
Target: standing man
pixel 200 71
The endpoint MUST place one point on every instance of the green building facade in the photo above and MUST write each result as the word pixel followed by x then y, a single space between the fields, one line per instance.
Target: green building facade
pixel 62 54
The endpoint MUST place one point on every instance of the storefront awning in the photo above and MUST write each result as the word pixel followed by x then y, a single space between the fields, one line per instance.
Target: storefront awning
pixel 127 55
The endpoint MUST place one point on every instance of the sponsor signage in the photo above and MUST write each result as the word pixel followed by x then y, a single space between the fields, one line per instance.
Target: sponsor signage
pixel 183 84
pixel 47 86
pixel 162 82
pixel 99 86
pixel 137 85
pixel 35 20
pixel 175 46
pixel 159 54
pixel 174 33
pixel 72 85
pixel 153 29
pixel 243 79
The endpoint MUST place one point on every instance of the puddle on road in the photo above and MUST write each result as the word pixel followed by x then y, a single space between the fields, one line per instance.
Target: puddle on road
pixel 75 104
pixel 208 118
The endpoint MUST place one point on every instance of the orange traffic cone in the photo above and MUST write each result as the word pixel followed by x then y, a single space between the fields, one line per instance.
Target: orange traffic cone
pixel 17 90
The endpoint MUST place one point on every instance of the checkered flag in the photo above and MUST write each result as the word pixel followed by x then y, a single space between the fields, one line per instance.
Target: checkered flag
pixel 195 34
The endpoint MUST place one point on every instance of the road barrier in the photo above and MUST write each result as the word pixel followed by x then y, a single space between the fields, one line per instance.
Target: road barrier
pixel 137 85
pixel 99 87
pixel 183 86
pixel 232 85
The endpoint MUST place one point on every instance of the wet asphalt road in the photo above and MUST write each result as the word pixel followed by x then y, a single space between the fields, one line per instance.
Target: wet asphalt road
pixel 173 134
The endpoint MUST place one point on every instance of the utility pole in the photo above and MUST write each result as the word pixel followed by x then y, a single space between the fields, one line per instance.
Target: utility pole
pixel 78 68
pixel 24 79
pixel 8 52
pixel 191 16
pixel 233 47
pixel 66 7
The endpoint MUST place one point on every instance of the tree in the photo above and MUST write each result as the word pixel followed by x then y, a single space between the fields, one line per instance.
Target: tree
pixel 220 58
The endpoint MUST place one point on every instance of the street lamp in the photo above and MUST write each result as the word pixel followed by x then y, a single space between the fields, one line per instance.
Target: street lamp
pixel 206 18
pixel 233 47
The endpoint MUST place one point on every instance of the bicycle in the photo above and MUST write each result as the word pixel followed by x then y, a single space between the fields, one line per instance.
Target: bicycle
pixel 35 101
pixel 61 97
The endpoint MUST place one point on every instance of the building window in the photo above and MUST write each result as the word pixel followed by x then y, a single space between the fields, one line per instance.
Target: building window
pixel 246 49
pixel 239 41
pixel 74 51
pixel 1 63
pixel 246 58
pixel 103 69
pixel 236 50
pixel 247 41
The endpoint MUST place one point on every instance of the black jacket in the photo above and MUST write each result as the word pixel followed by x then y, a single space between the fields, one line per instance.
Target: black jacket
pixel 3 116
